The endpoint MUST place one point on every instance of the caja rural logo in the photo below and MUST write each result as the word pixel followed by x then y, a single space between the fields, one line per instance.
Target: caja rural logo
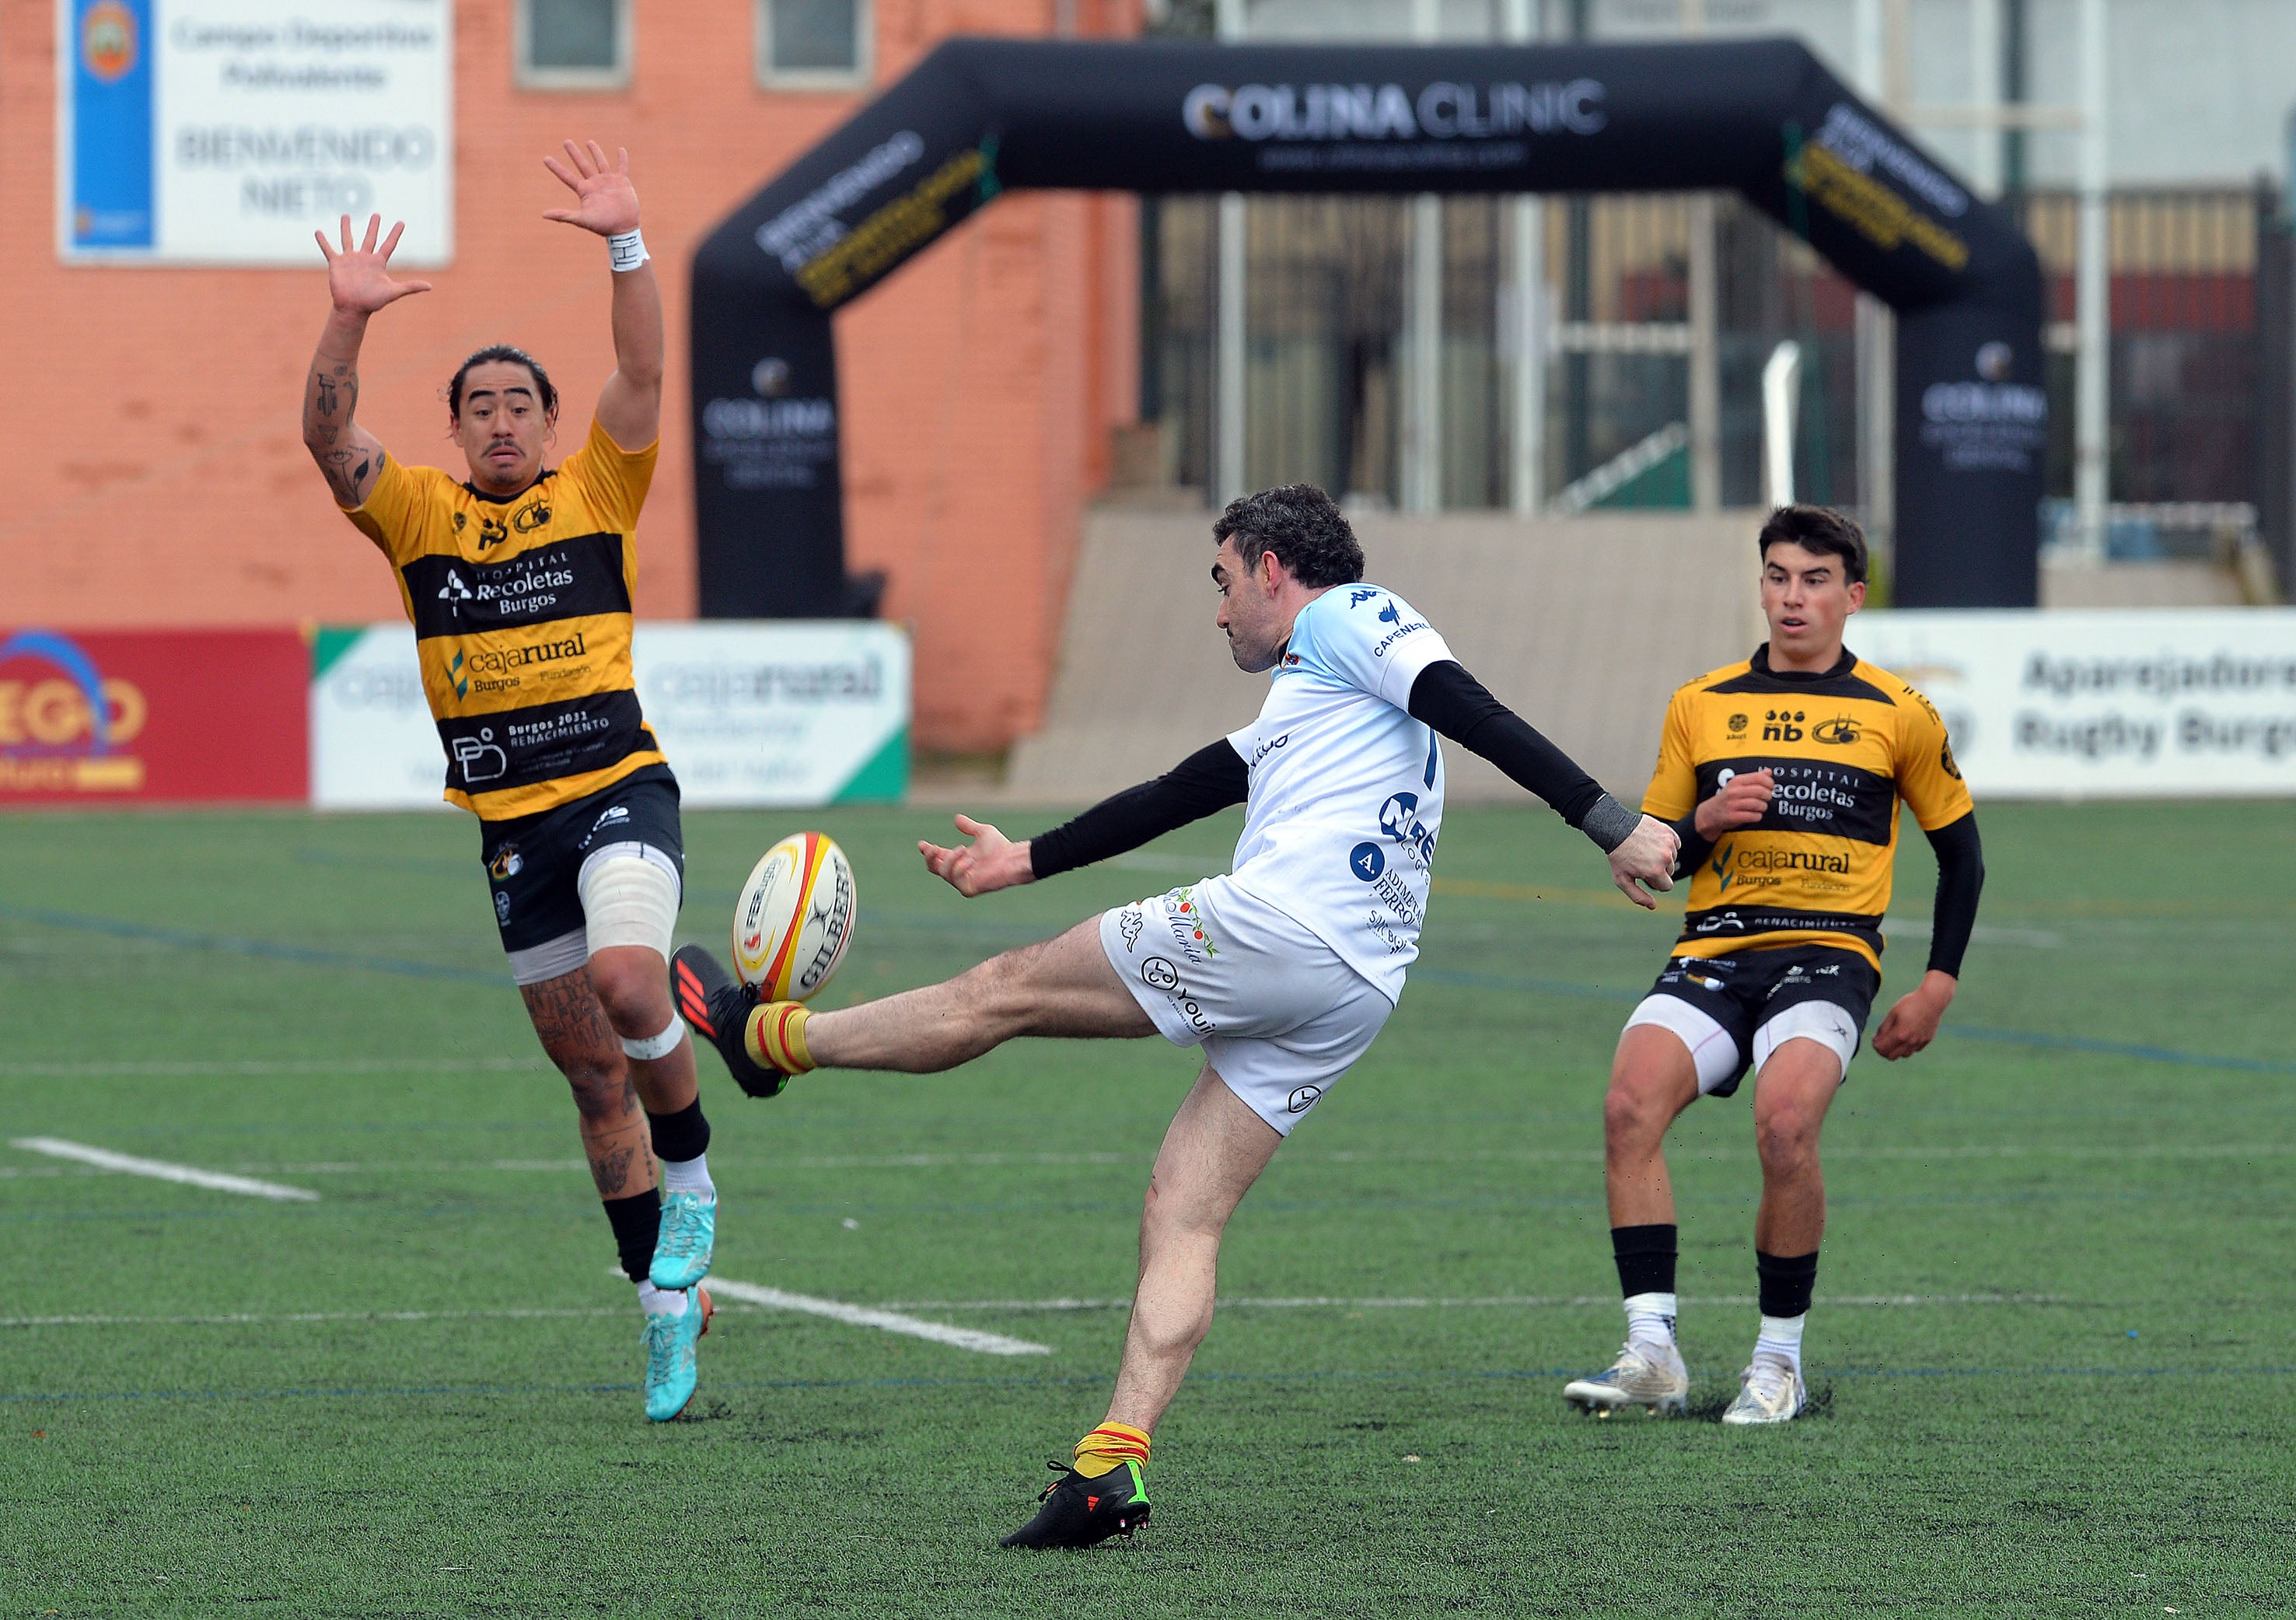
pixel 63 722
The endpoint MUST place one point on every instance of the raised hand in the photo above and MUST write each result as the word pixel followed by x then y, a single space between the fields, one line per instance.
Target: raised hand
pixel 991 861
pixel 1645 860
pixel 358 278
pixel 607 202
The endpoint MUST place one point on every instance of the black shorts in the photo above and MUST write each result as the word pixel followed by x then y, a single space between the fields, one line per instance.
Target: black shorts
pixel 534 863
pixel 1745 989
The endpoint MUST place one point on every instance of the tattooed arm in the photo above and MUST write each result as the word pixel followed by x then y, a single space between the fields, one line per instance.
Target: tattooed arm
pixel 358 279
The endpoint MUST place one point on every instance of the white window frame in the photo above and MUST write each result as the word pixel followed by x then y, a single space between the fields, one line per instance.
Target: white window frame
pixel 528 78
pixel 858 76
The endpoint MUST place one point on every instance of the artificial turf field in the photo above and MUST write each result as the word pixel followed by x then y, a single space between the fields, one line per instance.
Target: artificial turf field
pixel 2051 1347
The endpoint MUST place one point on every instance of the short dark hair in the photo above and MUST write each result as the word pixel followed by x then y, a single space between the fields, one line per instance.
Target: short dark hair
pixel 1304 528
pixel 509 354
pixel 1818 529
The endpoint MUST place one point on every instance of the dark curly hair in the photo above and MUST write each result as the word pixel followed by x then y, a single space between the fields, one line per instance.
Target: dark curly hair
pixel 1304 528
pixel 1819 528
pixel 508 353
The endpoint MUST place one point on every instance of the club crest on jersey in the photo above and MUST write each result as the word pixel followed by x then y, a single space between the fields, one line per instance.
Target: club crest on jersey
pixel 1839 732
pixel 507 863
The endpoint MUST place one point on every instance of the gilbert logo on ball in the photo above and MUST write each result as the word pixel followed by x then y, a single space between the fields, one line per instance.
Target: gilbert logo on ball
pixel 794 917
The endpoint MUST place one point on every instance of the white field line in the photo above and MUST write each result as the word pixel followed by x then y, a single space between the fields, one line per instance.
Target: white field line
pixel 160 1170
pixel 238 1318
pixel 232 1319
pixel 1311 1302
pixel 867 1316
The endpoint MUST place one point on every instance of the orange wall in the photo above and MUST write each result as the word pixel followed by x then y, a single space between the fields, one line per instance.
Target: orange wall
pixel 149 436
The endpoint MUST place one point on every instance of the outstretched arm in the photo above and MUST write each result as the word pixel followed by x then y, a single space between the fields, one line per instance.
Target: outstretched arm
pixel 1642 850
pixel 360 284
pixel 629 407
pixel 1209 779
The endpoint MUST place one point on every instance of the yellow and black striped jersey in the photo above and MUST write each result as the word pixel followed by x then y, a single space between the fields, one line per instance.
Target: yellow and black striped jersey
pixel 1844 747
pixel 521 612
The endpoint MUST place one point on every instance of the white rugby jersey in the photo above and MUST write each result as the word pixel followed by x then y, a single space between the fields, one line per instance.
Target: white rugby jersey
pixel 1347 789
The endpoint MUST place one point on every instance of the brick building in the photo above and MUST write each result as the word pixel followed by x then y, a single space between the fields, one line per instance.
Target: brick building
pixel 155 468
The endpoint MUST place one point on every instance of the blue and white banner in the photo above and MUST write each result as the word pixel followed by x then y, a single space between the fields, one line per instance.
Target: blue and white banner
pixel 2070 703
pixel 226 131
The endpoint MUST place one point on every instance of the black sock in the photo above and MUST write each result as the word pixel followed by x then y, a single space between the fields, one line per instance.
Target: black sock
pixel 1645 1256
pixel 636 1220
pixel 680 1136
pixel 1787 1282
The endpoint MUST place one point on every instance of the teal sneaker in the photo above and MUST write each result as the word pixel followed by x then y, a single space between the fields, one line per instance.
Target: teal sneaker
pixel 688 1238
pixel 671 1365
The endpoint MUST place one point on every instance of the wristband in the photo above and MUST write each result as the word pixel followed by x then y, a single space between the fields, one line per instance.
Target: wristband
pixel 1608 823
pixel 627 251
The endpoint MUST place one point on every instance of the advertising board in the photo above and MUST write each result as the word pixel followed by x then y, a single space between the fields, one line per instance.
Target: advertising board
pixel 2070 702
pixel 781 713
pixel 99 717
pixel 225 131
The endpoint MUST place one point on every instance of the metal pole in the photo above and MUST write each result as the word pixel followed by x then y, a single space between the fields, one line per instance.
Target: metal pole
pixel 1423 400
pixel 2093 296
pixel 1705 348
pixel 1228 357
pixel 1527 431
pixel 1985 98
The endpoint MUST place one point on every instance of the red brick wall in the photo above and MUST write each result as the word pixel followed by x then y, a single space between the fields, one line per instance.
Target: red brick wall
pixel 153 466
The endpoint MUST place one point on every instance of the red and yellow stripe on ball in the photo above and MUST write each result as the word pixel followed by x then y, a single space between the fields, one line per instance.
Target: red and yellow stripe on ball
pixel 774 986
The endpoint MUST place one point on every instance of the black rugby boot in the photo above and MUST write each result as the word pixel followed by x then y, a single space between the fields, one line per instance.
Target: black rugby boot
pixel 1080 1512
pixel 717 1005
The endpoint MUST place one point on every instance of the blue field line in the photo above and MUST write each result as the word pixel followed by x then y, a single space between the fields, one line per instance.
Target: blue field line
pixel 1468 979
pixel 1045 1381
pixel 274 951
pixel 407 967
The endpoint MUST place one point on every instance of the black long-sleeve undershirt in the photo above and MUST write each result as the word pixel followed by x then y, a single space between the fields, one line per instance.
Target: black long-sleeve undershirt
pixel 1961 878
pixel 1458 707
pixel 1444 697
pixel 1209 779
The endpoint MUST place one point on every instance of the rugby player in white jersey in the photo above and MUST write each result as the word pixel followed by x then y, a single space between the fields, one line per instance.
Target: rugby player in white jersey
pixel 1283 971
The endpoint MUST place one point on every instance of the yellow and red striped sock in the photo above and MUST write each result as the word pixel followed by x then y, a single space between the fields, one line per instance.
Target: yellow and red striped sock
pixel 774 1036
pixel 1108 1448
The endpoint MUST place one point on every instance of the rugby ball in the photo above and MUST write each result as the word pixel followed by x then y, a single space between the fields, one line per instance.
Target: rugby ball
pixel 794 917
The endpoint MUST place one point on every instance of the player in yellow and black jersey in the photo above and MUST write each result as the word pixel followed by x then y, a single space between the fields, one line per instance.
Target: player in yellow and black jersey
pixel 1783 775
pixel 519 580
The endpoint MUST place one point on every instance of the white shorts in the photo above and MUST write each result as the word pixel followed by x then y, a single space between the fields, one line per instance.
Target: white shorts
pixel 1280 1017
pixel 1715 1050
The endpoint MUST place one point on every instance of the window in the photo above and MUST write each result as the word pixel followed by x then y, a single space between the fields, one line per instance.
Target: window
pixel 813 42
pixel 573 45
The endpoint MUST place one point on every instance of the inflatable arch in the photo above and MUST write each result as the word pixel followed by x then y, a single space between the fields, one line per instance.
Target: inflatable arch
pixel 976 117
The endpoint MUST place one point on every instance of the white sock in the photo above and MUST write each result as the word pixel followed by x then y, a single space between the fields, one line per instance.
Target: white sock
pixel 660 1302
pixel 1650 1319
pixel 1781 1336
pixel 688 1176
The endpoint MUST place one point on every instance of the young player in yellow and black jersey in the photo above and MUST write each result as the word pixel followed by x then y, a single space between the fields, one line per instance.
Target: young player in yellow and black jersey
pixel 519 580
pixel 1783 775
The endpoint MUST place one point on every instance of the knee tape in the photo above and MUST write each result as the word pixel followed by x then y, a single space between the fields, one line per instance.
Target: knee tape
pixel 656 1046
pixel 630 897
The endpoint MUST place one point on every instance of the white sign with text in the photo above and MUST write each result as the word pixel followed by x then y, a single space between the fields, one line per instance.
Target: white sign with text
pixel 2136 703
